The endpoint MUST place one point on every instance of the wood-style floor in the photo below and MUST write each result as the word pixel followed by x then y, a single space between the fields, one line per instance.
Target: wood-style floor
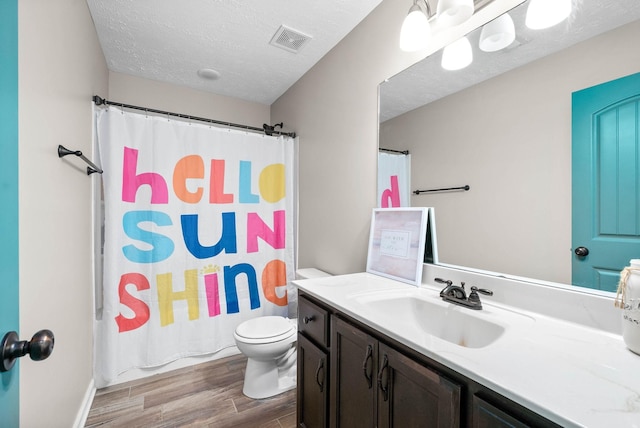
pixel 206 395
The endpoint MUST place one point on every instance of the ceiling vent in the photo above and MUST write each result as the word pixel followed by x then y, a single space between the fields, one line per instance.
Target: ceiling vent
pixel 289 39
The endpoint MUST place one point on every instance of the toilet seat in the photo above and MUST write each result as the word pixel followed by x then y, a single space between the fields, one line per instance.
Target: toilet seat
pixel 267 329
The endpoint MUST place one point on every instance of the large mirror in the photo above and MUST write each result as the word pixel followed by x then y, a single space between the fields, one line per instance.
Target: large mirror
pixel 503 127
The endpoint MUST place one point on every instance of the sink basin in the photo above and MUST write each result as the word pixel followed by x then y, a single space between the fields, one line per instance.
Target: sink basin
pixel 427 315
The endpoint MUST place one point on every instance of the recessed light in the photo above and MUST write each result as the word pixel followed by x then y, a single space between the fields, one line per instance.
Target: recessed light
pixel 209 74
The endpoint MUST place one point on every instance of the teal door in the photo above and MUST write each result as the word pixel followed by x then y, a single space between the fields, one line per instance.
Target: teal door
pixel 605 181
pixel 9 409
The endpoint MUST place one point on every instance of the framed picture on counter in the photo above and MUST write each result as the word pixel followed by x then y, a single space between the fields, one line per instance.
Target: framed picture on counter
pixel 397 242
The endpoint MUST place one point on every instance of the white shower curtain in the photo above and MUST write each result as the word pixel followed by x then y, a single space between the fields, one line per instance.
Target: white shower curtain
pixel 394 180
pixel 199 228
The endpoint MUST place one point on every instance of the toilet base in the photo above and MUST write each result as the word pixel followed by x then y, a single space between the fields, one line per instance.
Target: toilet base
pixel 264 379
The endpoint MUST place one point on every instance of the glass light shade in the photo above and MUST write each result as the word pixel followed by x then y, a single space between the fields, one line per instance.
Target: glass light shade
pixel 497 34
pixel 457 55
pixel 454 12
pixel 415 30
pixel 547 13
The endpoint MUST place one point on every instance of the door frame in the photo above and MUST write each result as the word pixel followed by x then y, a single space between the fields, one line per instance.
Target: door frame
pixel 9 277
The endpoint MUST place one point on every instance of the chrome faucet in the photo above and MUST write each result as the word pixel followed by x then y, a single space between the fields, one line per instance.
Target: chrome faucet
pixel 458 295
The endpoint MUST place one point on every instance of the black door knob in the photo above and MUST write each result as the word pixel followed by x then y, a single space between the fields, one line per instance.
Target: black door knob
pixel 581 251
pixel 39 348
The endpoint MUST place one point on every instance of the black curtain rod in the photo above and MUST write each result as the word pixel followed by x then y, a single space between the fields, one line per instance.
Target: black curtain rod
pixel 404 152
pixel 266 129
pixel 448 189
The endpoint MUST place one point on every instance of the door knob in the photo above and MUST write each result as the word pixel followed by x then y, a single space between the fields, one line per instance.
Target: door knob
pixel 39 348
pixel 582 251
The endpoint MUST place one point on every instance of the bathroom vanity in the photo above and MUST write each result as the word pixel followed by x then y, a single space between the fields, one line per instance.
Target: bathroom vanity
pixel 377 352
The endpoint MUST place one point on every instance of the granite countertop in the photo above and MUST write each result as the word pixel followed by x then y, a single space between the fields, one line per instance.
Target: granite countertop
pixel 571 374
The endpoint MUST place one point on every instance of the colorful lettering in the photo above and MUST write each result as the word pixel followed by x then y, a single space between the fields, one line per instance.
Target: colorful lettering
pixel 391 197
pixel 166 296
pixel 188 168
pixel 272 182
pixel 131 181
pixel 139 308
pixel 227 242
pixel 161 246
pixel 256 228
pixel 274 277
pixel 230 283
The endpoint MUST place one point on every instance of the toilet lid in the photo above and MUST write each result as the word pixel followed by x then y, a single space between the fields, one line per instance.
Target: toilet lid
pixel 264 327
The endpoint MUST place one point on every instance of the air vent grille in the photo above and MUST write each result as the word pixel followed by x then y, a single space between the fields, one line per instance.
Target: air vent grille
pixel 289 39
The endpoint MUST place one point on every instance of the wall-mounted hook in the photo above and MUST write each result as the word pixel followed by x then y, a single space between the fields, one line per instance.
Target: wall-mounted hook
pixel 63 151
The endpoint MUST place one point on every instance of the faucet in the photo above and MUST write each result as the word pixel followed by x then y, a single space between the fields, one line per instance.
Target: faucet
pixel 458 295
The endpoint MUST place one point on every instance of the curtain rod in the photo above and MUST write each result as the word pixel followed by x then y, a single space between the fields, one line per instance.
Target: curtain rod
pixel 266 129
pixel 404 152
pixel 448 189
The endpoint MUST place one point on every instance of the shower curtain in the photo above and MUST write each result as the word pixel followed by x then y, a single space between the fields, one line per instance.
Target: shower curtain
pixel 394 180
pixel 199 227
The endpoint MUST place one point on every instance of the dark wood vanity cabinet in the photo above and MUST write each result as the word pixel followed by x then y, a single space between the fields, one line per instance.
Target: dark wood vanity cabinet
pixel 350 376
pixel 372 384
pixel 313 365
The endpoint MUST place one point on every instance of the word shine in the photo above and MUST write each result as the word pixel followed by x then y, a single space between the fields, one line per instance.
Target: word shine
pixel 273 278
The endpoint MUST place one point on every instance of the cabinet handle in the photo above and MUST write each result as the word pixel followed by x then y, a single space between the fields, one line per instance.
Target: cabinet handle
pixel 320 381
pixel 383 388
pixel 307 320
pixel 368 374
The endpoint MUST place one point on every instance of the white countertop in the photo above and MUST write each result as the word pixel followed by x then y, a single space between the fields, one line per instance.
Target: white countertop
pixel 573 375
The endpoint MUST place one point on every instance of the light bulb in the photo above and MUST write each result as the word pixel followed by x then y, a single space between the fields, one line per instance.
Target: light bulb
pixel 457 55
pixel 415 31
pixel 497 34
pixel 454 12
pixel 547 13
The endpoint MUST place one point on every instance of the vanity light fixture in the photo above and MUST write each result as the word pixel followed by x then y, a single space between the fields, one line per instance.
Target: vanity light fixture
pixel 547 13
pixel 457 55
pixel 454 12
pixel 497 34
pixel 416 30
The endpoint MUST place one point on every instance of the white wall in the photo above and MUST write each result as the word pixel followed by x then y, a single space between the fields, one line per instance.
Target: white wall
pixel 60 66
pixel 515 151
pixel 334 110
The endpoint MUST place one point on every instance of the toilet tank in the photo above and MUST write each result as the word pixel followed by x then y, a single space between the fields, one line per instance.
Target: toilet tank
pixel 292 292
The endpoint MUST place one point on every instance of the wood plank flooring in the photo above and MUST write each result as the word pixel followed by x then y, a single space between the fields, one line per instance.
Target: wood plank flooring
pixel 206 395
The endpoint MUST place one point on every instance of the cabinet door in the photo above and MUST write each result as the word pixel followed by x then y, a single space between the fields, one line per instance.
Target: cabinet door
pixel 486 415
pixel 353 376
pixel 411 395
pixel 313 392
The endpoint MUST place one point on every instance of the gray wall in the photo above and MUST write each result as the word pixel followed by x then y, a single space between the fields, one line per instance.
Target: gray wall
pixel 510 139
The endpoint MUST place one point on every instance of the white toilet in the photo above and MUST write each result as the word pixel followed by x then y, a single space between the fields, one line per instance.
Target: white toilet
pixel 269 343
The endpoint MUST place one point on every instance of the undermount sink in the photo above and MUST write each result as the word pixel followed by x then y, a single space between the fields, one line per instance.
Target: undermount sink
pixel 408 312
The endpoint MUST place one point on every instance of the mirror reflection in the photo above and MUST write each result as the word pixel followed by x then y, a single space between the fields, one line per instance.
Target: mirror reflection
pixel 503 126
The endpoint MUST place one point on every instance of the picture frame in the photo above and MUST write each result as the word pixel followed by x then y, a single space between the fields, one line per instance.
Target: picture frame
pixel 397 242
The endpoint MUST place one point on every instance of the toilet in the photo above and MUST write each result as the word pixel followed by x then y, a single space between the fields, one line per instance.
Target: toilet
pixel 269 343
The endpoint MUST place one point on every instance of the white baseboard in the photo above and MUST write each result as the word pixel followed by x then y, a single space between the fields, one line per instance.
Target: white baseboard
pixel 83 413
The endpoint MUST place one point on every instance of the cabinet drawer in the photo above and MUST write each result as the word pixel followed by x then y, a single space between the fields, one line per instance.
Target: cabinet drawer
pixel 313 321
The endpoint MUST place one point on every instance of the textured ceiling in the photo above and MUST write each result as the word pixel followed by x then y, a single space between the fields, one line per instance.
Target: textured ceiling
pixel 170 40
pixel 427 81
